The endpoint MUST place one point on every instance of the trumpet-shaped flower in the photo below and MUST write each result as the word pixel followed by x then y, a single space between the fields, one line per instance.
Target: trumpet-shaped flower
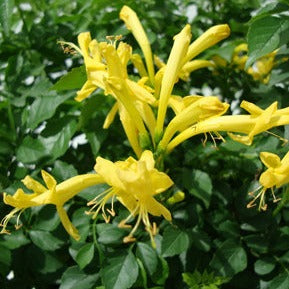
pixel 276 175
pixel 49 194
pixel 172 69
pixel 259 121
pixel 132 23
pixel 199 109
pixel 135 184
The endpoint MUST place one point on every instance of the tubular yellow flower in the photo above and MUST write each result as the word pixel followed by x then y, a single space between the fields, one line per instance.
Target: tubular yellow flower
pixel 202 108
pixel 133 24
pixel 138 64
pixel 172 69
pixel 134 183
pixel 209 38
pixel 259 121
pixel 51 194
pixel 276 175
pixel 192 66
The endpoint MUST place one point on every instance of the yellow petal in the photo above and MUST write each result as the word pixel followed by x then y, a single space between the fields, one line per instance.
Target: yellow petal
pixel 157 209
pixel 33 185
pixel 20 199
pixel 70 229
pixel 270 160
pixel 192 66
pixel 49 180
pixel 132 23
pixel 87 89
pixel 172 69
pixel 209 38
pixel 139 65
pixel 110 116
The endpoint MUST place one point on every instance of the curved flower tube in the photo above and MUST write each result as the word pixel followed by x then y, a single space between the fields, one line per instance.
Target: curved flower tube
pixel 49 194
pixel 259 121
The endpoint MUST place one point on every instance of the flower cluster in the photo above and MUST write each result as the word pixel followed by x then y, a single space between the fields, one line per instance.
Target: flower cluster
pixel 142 106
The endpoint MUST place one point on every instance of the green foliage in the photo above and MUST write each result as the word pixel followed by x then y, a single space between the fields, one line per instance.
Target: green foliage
pixel 206 280
pixel 42 127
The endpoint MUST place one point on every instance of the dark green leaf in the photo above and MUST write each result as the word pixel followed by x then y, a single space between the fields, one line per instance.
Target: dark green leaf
pixel 148 256
pixel 201 187
pixel 265 35
pixel 85 255
pixel 280 282
pixel 74 278
pixel 5 260
pixel 174 242
pixel 110 234
pixel 229 259
pixel 45 240
pixel 121 272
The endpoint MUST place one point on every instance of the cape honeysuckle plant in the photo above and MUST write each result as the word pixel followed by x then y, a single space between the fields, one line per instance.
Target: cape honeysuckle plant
pixel 168 169
pixel 142 105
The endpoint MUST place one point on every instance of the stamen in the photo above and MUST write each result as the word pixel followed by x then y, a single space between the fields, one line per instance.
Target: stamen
pixel 113 39
pixel 7 218
pixel 284 140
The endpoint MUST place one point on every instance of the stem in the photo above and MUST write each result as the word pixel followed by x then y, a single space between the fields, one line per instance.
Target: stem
pixel 11 118
pixel 283 202
pixel 100 253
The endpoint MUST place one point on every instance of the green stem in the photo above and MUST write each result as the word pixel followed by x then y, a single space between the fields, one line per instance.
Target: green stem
pixel 100 253
pixel 11 118
pixel 283 202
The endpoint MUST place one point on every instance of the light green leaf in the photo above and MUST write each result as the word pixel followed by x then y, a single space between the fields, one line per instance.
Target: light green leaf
pixel 264 266
pixel 74 278
pixel 121 272
pixel 174 242
pixel 85 255
pixel 72 80
pixel 6 9
pixel 229 259
pixel 44 107
pixel 265 35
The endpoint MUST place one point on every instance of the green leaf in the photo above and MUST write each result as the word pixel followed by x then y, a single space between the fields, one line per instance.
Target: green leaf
pixel 201 187
pixel 229 259
pixel 51 147
pixel 6 9
pixel 31 150
pixel 44 107
pixel 45 240
pixel 72 80
pixel 121 272
pixel 280 282
pixel 264 266
pixel 174 242
pixel 109 234
pixel 85 255
pixel 15 240
pixel 94 142
pixel 265 35
pixel 148 256
pixel 74 278
pixel 5 260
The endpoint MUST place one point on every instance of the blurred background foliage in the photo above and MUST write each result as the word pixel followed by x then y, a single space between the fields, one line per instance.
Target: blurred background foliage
pixel 214 241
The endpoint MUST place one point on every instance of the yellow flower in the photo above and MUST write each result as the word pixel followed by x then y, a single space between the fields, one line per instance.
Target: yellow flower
pixel 276 175
pixel 49 194
pixel 259 121
pixel 198 109
pixel 135 184
pixel 209 38
pixel 172 69
pixel 262 67
pixel 132 23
